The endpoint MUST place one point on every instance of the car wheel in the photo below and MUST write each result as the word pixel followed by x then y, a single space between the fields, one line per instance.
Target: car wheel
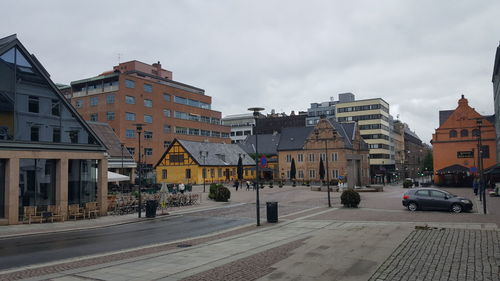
pixel 456 208
pixel 412 206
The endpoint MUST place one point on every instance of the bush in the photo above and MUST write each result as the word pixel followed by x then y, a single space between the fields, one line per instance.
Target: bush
pixel 350 198
pixel 270 184
pixel 213 190
pixel 407 183
pixel 222 194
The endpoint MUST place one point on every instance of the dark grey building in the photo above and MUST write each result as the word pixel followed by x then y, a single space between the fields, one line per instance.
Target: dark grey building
pixel 496 96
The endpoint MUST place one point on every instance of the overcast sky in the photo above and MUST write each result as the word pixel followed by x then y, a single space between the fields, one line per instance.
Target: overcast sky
pixel 419 56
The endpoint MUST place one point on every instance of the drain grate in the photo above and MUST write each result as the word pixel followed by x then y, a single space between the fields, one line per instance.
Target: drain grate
pixel 184 245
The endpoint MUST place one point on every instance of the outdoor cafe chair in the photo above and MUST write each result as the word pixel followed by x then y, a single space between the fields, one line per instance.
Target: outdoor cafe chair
pixel 30 215
pixel 91 209
pixel 55 213
pixel 75 211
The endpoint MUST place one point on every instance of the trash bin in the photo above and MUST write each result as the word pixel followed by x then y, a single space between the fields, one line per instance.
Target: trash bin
pixel 416 183
pixel 151 208
pixel 272 211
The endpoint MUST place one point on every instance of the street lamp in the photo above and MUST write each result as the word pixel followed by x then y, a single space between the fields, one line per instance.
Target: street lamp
pixel 138 128
pixel 204 155
pixel 316 132
pixel 122 146
pixel 255 115
pixel 479 123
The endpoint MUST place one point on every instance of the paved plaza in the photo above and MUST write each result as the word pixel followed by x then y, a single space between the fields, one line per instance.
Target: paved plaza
pixel 378 241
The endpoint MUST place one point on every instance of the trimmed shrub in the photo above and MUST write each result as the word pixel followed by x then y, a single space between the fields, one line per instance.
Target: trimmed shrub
pixel 213 190
pixel 222 194
pixel 407 183
pixel 270 184
pixel 350 198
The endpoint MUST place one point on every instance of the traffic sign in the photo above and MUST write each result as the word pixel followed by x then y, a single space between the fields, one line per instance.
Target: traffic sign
pixel 263 161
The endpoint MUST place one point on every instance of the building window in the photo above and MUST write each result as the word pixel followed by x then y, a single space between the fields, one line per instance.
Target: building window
pixel 56 108
pixel 287 174
pixel 164 174
pixel 181 130
pixel 453 134
pixel 166 129
pixel 79 104
pixel 35 133
pixel 288 158
pixel 130 133
pixel 148 135
pixel 247 132
pixel 148 88
pixel 33 104
pixel 464 133
pixel 188 173
pixel 312 174
pixel 205 133
pixel 73 136
pixel 94 101
pixel 180 100
pixel 148 118
pixel 129 116
pixel 194 132
pixel 176 158
pixel 110 115
pixel 56 134
pixel 475 133
pixel 148 103
pixel 131 150
pixel 166 144
pixel 301 174
pixel 110 99
pixel 300 157
pixel 166 97
pixel 311 157
pixel 485 151
pixel 219 172
pixel 335 174
pixel 322 156
pixel 93 117
pixel 166 112
pixel 148 151
pixel 129 100
pixel 129 84
pixel 335 156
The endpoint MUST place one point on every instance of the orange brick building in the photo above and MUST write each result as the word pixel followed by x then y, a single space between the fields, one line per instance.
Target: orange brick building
pixel 136 92
pixel 455 145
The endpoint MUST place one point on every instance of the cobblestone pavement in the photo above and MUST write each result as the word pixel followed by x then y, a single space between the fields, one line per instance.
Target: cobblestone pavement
pixel 249 268
pixel 444 254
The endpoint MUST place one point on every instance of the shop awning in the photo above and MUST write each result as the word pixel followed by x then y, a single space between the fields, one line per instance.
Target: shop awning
pixel 453 169
pixel 112 177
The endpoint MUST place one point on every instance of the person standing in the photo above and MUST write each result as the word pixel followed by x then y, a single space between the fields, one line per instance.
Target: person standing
pixel 181 188
pixel 475 185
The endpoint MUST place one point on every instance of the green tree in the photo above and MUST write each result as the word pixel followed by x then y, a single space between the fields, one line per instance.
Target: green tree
pixel 427 164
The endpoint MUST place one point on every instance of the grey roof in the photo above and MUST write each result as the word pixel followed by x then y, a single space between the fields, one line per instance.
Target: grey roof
pixel 8 39
pixel 444 115
pixel 110 139
pixel 293 138
pixel 219 154
pixel 345 130
pixel 268 144
pixel 409 132
pixel 490 118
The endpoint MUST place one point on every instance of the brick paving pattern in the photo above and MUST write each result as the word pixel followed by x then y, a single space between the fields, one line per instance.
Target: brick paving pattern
pixel 45 270
pixel 444 254
pixel 249 268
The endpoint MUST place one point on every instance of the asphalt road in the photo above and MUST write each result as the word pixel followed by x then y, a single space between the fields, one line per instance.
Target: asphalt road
pixel 36 249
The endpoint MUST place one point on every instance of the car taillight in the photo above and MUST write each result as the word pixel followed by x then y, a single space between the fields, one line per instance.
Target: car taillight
pixel 406 197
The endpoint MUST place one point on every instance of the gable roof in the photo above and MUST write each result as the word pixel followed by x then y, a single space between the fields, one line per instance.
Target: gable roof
pixel 219 154
pixel 10 42
pixel 293 138
pixel 110 139
pixel 268 144
pixel 345 129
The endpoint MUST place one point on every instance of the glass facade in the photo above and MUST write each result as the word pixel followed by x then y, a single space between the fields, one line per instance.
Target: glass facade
pixel 82 181
pixel 37 183
pixel 28 101
pixel 2 187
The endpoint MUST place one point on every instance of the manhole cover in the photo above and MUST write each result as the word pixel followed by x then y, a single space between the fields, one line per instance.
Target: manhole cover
pixel 184 245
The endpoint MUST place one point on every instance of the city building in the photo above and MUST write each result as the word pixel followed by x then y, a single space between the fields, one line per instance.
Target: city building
pixel 268 147
pixel 136 92
pixel 339 144
pixel 414 154
pixel 49 156
pixel 372 116
pixel 241 126
pixel 276 122
pixel 398 137
pixel 496 97
pixel 326 109
pixel 455 145
pixel 192 162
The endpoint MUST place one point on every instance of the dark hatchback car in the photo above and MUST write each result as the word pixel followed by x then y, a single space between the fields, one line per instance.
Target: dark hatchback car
pixel 435 199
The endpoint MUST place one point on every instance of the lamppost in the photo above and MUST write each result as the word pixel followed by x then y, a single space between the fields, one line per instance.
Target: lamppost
pixel 479 123
pixel 316 132
pixel 138 128
pixel 204 155
pixel 255 115
pixel 122 146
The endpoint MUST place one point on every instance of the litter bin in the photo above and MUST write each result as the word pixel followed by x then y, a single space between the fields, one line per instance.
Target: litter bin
pixel 416 183
pixel 151 208
pixel 272 211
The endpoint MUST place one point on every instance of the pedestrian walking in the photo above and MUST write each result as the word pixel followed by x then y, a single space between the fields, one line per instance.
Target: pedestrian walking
pixel 181 188
pixel 236 184
pixel 248 185
pixel 475 185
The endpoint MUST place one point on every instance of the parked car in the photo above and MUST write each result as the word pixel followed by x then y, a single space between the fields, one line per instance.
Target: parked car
pixel 435 199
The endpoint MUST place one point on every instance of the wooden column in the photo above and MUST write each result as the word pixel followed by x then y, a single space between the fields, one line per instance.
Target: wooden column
pixel 102 185
pixel 62 179
pixel 12 190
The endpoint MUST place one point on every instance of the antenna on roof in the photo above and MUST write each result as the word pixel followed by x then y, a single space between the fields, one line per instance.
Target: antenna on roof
pixel 119 57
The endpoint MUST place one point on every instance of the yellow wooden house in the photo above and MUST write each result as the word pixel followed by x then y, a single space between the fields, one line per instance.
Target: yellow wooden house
pixel 191 162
